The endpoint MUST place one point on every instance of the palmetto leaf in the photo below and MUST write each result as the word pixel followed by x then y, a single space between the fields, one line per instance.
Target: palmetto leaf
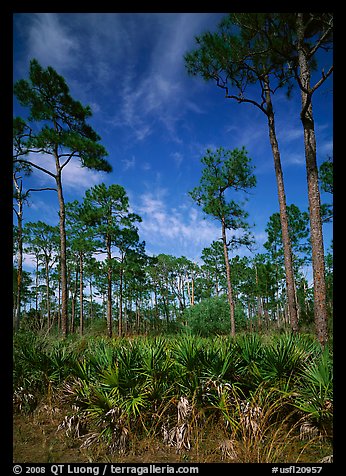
pixel 156 368
pixel 315 394
pixel 250 351
pixel 282 360
pixel 77 392
pixel 187 352
pixel 110 378
pixel 61 362
pixel 83 369
pixel 188 366
pixel 101 402
pixel 102 355
pixel 134 403
pixel 320 373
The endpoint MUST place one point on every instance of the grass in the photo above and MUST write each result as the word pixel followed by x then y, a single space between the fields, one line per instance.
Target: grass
pixel 182 398
pixel 36 440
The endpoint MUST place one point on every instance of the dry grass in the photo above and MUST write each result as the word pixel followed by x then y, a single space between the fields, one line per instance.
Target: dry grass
pixel 167 401
pixel 36 440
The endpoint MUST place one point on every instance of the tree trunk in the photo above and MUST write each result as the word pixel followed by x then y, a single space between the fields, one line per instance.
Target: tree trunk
pixel 20 251
pixel 138 316
pixel 259 304
pixel 20 265
pixel 286 241
pixel 63 265
pixel 73 299
pixel 157 315
pixel 120 324
pixel 91 299
pixel 59 305
pixel 318 266
pixel 81 309
pixel 228 273
pixel 109 288
pixel 36 285
pixel 47 292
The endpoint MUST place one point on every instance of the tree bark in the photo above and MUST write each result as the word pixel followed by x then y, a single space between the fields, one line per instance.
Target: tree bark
pixel 47 291
pixel 318 265
pixel 81 308
pixel 120 324
pixel 109 289
pixel 73 300
pixel 286 241
pixel 20 254
pixel 63 265
pixel 228 273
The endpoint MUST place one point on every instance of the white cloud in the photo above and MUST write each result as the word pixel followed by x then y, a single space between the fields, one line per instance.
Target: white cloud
pixel 177 157
pixel 74 177
pixel 174 228
pixel 80 178
pixel 112 51
pixel 161 94
pixel 50 41
pixel 129 163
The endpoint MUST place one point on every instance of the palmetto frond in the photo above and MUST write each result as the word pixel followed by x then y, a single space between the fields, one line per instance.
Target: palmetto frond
pixel 283 359
pixel 315 393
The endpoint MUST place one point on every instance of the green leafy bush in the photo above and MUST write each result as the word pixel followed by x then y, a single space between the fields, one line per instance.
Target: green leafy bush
pixel 210 316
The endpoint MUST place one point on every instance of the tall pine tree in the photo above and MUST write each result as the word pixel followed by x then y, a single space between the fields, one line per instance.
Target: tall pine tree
pixel 57 131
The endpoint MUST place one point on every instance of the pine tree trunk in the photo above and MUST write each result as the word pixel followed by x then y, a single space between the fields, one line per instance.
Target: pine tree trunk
pixel 286 241
pixel 120 324
pixel 81 308
pixel 109 289
pixel 20 260
pixel 318 266
pixel 47 293
pixel 228 273
pixel 36 285
pixel 259 304
pixel 73 301
pixel 63 265
pixel 91 300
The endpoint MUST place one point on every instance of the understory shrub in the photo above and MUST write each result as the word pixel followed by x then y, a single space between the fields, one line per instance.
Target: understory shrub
pixel 212 316
pixel 117 388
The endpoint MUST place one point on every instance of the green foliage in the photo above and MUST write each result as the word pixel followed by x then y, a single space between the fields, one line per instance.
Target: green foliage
pixel 326 176
pixel 209 317
pixel 63 119
pixel 282 360
pixel 224 169
pixel 250 352
pixel 115 388
pixel 298 224
pixel 315 394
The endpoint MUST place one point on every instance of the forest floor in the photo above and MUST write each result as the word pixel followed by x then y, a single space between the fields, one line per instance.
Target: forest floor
pixel 37 440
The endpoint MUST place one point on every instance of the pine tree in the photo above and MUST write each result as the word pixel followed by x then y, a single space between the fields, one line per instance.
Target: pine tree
pixel 226 171
pixel 57 128
pixel 237 57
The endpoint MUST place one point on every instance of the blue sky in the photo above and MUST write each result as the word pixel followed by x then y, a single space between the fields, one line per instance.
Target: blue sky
pixel 156 122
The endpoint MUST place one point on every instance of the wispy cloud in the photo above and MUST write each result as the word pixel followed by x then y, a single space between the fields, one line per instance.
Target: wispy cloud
pixel 177 157
pixel 49 40
pixel 74 177
pixel 174 228
pixel 147 90
pixel 129 163
pixel 160 95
